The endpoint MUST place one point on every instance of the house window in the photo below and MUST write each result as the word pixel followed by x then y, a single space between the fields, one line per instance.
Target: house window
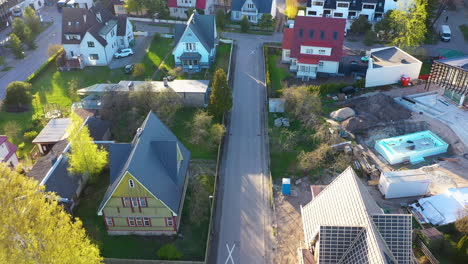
pixel 338 14
pixel 112 33
pixel 146 221
pixel 309 51
pixel 343 5
pixel 134 202
pixel 90 44
pixel 320 64
pixel 126 201
pixel 131 221
pixel 321 52
pixel 93 56
pixel 131 183
pixel 311 33
pixel 352 14
pixel 312 13
pixel 190 46
pixel 368 6
pixel 250 6
pixel 316 3
pixel 322 34
pixel 142 201
pixel 287 53
pixel 109 221
pixel 335 35
pixel 169 221
pixel 301 32
pixel 73 37
pixel 139 221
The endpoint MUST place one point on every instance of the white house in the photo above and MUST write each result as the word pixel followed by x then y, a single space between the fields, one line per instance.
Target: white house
pixel 8 152
pixel 313 45
pixel 36 4
pixel 92 36
pixel 252 9
pixel 352 9
pixel 387 66
pixel 196 43
pixel 81 3
pixel 180 8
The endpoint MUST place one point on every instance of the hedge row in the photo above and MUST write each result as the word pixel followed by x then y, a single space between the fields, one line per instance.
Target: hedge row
pixel 43 66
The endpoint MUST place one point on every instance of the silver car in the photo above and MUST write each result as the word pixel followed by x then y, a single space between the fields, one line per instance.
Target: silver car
pixel 123 53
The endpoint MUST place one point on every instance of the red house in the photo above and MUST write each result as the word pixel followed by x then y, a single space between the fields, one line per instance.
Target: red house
pixel 314 44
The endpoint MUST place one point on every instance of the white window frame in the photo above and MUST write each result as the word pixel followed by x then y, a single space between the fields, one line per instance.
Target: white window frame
pixel 146 221
pixel 169 221
pixel 109 221
pixel 363 6
pixel 126 202
pixel 344 5
pixel 131 183
pixel 310 51
pixel 144 203
pixel 322 52
pixel 139 221
pixel 131 220
pixel 317 3
pixel 320 64
pixel 190 46
pixel 134 201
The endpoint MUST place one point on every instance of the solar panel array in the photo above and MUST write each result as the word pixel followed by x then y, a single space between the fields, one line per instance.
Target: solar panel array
pixel 396 231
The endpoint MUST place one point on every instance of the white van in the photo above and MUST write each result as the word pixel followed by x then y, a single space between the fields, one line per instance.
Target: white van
pixel 445 33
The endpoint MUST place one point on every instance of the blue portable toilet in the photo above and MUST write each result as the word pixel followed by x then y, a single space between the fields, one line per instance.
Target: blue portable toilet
pixel 286 189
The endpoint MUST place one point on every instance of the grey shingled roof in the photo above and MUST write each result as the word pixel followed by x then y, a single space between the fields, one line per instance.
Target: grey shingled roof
pixel 263 6
pixel 54 131
pixel 203 26
pixel 118 156
pixel 153 162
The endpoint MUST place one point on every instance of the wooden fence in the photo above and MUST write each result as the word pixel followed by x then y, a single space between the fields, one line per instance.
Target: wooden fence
pixel 426 251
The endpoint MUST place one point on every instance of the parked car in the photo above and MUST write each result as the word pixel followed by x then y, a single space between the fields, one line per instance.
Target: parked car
pixel 17 12
pixel 129 68
pixel 445 33
pixel 121 53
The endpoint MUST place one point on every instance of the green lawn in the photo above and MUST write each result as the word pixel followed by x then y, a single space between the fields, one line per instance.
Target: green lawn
pixel 277 75
pixel 464 30
pixel 180 128
pixel 192 243
pixel 159 48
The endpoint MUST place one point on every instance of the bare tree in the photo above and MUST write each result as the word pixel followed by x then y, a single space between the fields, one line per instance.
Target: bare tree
pixel 303 104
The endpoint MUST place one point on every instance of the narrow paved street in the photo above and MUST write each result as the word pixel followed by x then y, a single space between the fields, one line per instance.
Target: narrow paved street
pixel 243 228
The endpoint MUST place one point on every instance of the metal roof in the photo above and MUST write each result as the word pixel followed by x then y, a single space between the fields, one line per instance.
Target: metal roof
pixel 405 175
pixel 178 86
pixel 203 26
pixel 351 227
pixel 54 131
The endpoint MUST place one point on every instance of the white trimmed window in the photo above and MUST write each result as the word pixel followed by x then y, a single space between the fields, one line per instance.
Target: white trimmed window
pixel 126 201
pixel 169 221
pixel 146 221
pixel 190 46
pixel 139 221
pixel 131 183
pixel 131 221
pixel 343 5
pixel 321 52
pixel 134 202
pixel 93 56
pixel 316 3
pixel 142 201
pixel 320 64
pixel 109 221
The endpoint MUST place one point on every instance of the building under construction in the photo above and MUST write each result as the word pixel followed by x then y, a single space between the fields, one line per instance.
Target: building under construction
pixel 452 76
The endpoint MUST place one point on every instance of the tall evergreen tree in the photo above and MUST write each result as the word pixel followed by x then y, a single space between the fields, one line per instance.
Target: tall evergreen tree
pixel 15 45
pixel 35 229
pixel 410 27
pixel 221 96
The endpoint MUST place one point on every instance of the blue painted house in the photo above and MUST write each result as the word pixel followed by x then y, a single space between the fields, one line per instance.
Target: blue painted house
pixel 252 9
pixel 196 43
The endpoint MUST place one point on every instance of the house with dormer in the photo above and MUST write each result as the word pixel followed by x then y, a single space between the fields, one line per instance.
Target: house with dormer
pixel 252 9
pixel 90 37
pixel 196 43
pixel 8 152
pixel 148 181
pixel 180 8
pixel 313 45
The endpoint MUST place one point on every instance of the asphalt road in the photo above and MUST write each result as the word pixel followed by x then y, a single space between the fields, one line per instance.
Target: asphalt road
pixel 242 232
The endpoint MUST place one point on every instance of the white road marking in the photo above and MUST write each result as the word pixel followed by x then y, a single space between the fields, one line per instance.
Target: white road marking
pixel 230 253
pixel 252 52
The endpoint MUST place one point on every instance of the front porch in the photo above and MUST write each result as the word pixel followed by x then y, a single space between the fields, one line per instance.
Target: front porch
pixel 191 62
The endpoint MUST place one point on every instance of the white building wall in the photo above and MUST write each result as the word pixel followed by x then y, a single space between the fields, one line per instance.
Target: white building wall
pixel 400 4
pixel 342 10
pixel 391 74
pixel 285 55
pixel 402 189
pixel 329 67
pixel 4 152
pixel 178 12
pixel 315 50
pixel 318 9
pixel 71 50
pixel 369 12
pixel 189 37
pixel 86 51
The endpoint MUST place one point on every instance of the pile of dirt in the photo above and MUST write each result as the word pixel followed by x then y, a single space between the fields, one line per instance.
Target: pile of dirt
pixel 374 110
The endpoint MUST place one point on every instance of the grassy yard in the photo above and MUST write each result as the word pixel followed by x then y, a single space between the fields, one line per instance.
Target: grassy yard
pixel 192 242
pixel 182 131
pixel 276 74
pixel 159 48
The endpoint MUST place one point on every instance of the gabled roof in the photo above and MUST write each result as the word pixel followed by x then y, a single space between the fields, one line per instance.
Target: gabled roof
pixel 54 131
pixel 203 26
pixel 152 160
pixel 263 6
pixel 302 34
pixel 345 213
pixel 10 147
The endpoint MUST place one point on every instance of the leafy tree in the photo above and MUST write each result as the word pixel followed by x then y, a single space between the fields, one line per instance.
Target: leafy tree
pixel 221 19
pixel 18 96
pixel 221 97
pixel 156 8
pixel 266 21
pixel 72 88
pixel 30 135
pixel 384 28
pixel 85 157
pixel 32 20
pixel 361 25
pixel 16 46
pixel 53 49
pixel 134 6
pixel 410 27
pixel 245 24
pixel 12 129
pixel 200 127
pixel 369 38
pixel 313 160
pixel 169 252
pixel 18 28
pixel 216 134
pixel 303 105
pixel 138 70
pixel 35 229
pixel 29 38
pixel 292 7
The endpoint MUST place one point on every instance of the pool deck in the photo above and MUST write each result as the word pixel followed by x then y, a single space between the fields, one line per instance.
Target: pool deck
pixel 438 107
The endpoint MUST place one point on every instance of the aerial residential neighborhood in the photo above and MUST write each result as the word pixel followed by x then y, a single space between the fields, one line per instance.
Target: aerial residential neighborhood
pixel 242 131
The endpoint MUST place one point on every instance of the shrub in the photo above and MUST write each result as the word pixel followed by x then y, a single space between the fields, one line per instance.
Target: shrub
pixel 53 49
pixel 169 252
pixel 220 19
pixel 313 160
pixel 369 38
pixel 16 47
pixel 18 96
pixel 245 24
pixel 139 70
pixel 216 133
pixel 30 135
pixel 360 25
pixel 462 225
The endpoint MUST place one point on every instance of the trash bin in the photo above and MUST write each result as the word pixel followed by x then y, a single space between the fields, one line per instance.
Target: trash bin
pixel 286 188
pixel 405 80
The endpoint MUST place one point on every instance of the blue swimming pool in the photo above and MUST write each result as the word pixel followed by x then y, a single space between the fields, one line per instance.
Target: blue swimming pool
pixel 411 147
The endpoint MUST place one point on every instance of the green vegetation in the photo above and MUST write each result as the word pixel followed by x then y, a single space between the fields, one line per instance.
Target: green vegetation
pixel 221 95
pixel 464 30
pixel 160 47
pixel 191 245
pixel 274 75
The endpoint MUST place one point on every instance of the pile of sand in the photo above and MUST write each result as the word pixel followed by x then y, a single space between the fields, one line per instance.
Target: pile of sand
pixel 372 111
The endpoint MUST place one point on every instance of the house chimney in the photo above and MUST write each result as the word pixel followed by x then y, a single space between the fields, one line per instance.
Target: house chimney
pixel 98 17
pixel 166 84
pixel 84 18
pixel 130 86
